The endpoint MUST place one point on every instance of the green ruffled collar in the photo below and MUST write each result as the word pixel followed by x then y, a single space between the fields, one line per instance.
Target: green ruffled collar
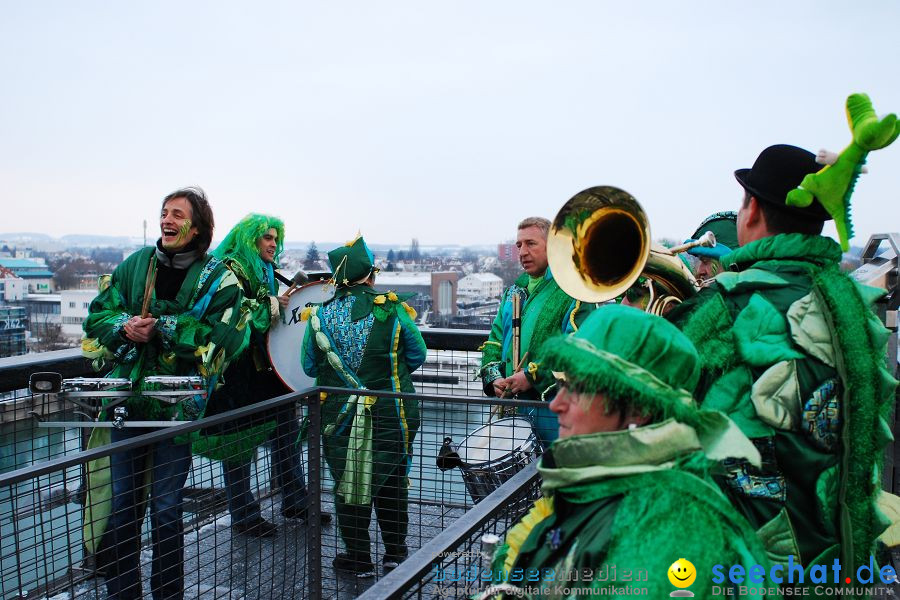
pixel 369 300
pixel 582 459
pixel 816 249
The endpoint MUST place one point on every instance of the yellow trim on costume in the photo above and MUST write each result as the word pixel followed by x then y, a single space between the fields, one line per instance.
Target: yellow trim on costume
pixel 572 315
pixel 405 426
pixel 379 299
pixel 392 296
pixel 409 310
pixel 533 368
pixel 323 396
pixel 481 347
pixel 516 536
pixel 305 313
pixel 395 375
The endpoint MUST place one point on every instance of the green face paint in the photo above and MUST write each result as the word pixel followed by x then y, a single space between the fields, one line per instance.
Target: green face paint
pixel 181 239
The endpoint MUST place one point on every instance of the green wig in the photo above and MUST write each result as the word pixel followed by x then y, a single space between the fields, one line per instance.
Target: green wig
pixel 240 244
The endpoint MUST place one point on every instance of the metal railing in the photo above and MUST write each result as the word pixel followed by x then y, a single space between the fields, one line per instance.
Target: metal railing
pixel 45 493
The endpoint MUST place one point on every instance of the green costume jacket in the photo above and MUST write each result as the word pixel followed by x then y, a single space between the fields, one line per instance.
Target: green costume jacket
pixel 247 380
pixel 619 509
pixel 545 312
pixel 374 343
pixel 197 333
pixel 791 351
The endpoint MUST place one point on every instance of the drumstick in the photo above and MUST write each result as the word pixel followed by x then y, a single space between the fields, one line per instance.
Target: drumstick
pixel 497 408
pixel 149 283
pixel 299 278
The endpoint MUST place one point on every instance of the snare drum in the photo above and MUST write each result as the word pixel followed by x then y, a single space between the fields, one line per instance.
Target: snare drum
pixel 285 340
pixel 492 454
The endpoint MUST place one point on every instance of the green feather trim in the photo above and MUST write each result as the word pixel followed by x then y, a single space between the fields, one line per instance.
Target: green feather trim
pixel 860 367
pixel 675 514
pixel 596 370
pixel 709 328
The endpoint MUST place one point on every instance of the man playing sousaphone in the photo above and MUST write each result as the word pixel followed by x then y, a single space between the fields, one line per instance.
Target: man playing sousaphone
pixel 532 310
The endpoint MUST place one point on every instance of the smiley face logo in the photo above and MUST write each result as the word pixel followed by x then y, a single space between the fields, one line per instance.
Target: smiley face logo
pixel 682 573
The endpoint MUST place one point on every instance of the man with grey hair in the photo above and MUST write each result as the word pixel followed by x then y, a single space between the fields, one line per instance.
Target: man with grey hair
pixel 544 311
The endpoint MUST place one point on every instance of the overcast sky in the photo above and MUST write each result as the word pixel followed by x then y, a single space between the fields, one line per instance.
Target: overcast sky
pixel 446 121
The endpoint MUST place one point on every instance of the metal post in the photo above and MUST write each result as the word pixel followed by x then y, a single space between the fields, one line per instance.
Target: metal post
pixel 314 543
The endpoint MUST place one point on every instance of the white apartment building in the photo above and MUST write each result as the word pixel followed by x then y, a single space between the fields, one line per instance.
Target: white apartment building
pixel 481 285
pixel 73 308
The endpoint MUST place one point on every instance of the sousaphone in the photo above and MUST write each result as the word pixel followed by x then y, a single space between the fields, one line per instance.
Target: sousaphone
pixel 599 245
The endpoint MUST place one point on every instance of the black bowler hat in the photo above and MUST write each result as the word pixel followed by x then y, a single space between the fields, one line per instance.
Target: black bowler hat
pixel 777 170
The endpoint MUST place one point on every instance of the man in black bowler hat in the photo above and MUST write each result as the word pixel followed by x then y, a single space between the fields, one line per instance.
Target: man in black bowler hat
pixel 792 352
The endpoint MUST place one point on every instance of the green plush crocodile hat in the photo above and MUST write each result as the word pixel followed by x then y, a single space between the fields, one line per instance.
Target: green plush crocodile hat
pixel 352 263
pixel 723 225
pixel 630 355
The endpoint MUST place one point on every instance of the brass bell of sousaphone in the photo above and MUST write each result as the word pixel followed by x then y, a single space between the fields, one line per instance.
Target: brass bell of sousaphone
pixel 599 245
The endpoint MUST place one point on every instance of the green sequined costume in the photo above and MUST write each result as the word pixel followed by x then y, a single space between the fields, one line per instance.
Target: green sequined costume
pixel 372 343
pixel 792 352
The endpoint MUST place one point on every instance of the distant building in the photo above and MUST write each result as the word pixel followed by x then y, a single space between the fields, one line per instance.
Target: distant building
pixel 481 285
pixel 74 305
pixel 508 252
pixel 435 292
pixel 37 276
pixel 12 288
pixel 13 325
pixel 43 314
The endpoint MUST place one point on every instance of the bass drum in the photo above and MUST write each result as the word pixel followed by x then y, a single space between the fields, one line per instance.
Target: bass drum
pixel 285 340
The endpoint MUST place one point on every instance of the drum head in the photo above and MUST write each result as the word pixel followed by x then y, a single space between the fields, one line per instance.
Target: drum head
pixel 495 440
pixel 285 340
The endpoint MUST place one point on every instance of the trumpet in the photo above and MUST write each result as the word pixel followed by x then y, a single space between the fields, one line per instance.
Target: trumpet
pixel 599 245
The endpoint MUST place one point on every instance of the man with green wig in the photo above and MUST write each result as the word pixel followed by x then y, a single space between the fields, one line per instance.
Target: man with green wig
pixel 723 225
pixel 365 340
pixel 545 310
pixel 628 500
pixel 791 350
pixel 173 310
pixel 251 251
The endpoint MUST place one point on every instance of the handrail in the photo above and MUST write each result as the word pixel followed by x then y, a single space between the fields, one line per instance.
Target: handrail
pixel 58 464
pixel 461 530
pixel 15 370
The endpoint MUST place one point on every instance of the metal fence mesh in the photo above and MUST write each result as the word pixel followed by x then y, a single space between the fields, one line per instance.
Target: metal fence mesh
pixel 198 537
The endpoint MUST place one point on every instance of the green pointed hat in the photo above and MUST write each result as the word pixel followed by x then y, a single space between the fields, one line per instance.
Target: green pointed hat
pixel 723 225
pixel 634 356
pixel 629 354
pixel 352 263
